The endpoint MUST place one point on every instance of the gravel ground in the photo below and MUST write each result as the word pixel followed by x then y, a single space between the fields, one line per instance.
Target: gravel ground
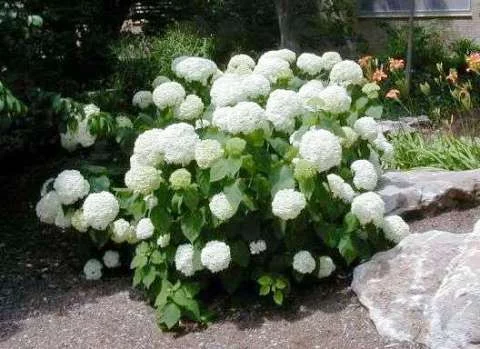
pixel 45 303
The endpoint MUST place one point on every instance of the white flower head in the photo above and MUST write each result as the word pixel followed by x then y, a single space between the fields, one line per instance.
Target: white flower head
pixel 365 175
pixel 384 146
pixel 100 209
pixel 368 208
pixel 371 90
pixel 202 123
pixel 180 179
pixel 240 63
pixel 254 86
pixel 283 106
pixel 142 99
pixel 93 269
pixel 190 109
pixel 123 122
pixel 90 110
pixel 79 222
pixel 322 148
pixel 303 262
pixel 310 63
pixel 122 231
pixel 151 201
pixel 143 179
pixel 111 259
pixel 257 247
pixel 367 128
pixel 71 186
pixel 83 136
pixel 163 240
pixel 245 117
pixel 346 73
pixel 215 256
pixel 178 143
pixel 339 188
pixel 285 54
pixel 350 137
pixel 68 140
pixel 49 207
pixel 168 94
pixel 329 59
pixel 147 149
pixel 395 228
pixel 310 90
pixel 288 204
pixel 333 99
pixel 196 69
pixel 144 229
pixel 159 80
pixel 274 69
pixel 221 207
pixel 207 152
pixel 186 260
pixel 227 90
pixel 326 267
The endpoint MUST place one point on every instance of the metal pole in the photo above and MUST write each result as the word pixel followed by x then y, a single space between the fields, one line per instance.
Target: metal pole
pixel 408 70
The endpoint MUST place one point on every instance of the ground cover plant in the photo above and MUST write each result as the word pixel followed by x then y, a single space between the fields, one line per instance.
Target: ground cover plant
pixel 259 175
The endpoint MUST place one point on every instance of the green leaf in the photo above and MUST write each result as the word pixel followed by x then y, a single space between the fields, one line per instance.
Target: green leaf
pixel 149 277
pixel 139 261
pixel 191 225
pixel 279 145
pixel 265 280
pixel 191 198
pixel 307 186
pixel 374 111
pixel 99 184
pixel 264 290
pixel 162 296
pixel 234 195
pixel 278 297
pixel 347 249
pixel 156 257
pixel 240 253
pixel 282 178
pixel 171 315
pixel 225 167
pixel 161 220
pixel 191 289
pixel 351 223
pixel 137 277
pixel 280 284
pixel 361 103
pixel 203 181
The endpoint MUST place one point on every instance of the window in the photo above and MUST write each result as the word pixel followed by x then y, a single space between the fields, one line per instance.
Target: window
pixel 423 8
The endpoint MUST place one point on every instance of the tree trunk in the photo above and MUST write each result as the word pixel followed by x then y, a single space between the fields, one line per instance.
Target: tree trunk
pixel 287 39
pixel 408 69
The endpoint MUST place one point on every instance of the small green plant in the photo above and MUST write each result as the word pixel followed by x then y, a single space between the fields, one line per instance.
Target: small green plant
pixel 277 285
pixel 441 150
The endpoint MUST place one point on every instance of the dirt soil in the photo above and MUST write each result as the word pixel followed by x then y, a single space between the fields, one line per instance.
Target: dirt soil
pixel 46 303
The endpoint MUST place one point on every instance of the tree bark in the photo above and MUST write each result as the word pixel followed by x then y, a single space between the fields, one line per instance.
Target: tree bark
pixel 408 69
pixel 287 39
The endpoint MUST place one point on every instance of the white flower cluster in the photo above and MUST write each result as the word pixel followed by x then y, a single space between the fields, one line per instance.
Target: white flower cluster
pixel 368 208
pixel 288 204
pixel 221 207
pixel 111 259
pixel 190 109
pixel 177 143
pixel 365 175
pixel 326 267
pixel 346 73
pixel 245 117
pixel 241 64
pixel 169 94
pixel 310 63
pixel 79 222
pixel 339 188
pixel 122 231
pixel 146 150
pixel 93 269
pixel 334 99
pixel 71 186
pixel 303 262
pixel 144 229
pixel 207 152
pixel 195 69
pixel 395 228
pixel 187 261
pixel 215 256
pixel 329 59
pixel 283 106
pixel 322 148
pixel 143 179
pixel 142 99
pixel 81 135
pixel 274 69
pixel 232 88
pixel 367 128
pixel 100 209
pixel 257 247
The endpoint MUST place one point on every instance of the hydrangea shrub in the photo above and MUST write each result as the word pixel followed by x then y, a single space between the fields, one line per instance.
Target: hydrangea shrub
pixel 264 173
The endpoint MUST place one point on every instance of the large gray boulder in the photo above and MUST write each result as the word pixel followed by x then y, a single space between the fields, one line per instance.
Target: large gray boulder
pixel 406 124
pixel 428 190
pixel 425 290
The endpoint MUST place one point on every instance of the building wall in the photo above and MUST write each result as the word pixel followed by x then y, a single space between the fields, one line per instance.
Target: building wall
pixel 451 27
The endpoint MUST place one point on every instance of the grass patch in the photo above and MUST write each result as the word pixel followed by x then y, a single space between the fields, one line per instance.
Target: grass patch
pixel 439 150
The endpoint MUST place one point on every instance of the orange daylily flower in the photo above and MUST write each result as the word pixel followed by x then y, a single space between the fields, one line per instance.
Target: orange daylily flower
pixel 473 62
pixel 393 94
pixel 365 61
pixel 452 76
pixel 379 75
pixel 396 64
